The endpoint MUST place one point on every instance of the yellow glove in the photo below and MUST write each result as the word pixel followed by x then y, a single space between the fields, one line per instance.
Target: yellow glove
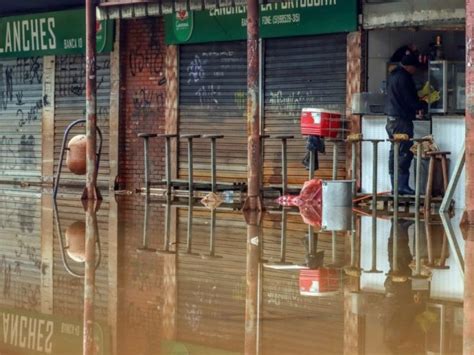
pixel 429 94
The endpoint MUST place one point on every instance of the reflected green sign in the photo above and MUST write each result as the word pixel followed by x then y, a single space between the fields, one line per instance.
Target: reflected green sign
pixel 50 33
pixel 28 332
pixel 279 19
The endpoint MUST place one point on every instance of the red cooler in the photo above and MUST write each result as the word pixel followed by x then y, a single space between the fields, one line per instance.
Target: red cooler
pixel 320 282
pixel 320 122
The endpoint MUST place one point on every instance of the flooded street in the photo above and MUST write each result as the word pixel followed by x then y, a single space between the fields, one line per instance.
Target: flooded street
pixel 179 278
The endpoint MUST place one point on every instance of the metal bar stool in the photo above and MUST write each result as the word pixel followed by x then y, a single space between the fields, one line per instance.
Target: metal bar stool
pixel 284 161
pixel 189 138
pixel 168 138
pixel 429 184
pixel 335 152
pixel 146 137
pixel 354 139
pixel 213 138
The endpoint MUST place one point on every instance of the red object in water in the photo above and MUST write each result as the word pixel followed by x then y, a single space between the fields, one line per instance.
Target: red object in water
pixel 309 202
pixel 318 122
pixel 320 282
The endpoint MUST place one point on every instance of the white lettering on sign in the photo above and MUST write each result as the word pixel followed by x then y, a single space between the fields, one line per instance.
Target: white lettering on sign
pixel 28 332
pixel 28 35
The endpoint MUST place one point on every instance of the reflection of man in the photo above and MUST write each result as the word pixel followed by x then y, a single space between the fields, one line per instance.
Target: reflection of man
pixel 401 108
pixel 401 332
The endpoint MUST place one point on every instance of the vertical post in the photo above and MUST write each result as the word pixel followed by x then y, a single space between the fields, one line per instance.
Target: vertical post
pixel 334 160
pixel 312 162
pixel 212 241
pixel 353 168
pixel 190 166
pixel 284 167
pixel 147 166
pixel 396 164
pixel 168 164
pixel 89 277
pixel 90 191
pixel 213 165
pixel 253 201
pixel 374 176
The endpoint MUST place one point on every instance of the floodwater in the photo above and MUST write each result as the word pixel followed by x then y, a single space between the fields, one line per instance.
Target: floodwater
pixel 179 278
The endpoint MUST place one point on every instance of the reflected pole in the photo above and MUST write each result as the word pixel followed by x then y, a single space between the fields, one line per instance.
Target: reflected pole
pixel 89 346
pixel 252 283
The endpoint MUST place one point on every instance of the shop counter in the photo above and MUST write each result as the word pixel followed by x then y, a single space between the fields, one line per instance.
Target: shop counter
pixel 448 132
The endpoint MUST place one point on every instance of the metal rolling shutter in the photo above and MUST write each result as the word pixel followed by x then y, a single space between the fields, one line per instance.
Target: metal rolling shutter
pixel 20 255
pixel 301 72
pixel 70 105
pixel 21 107
pixel 213 99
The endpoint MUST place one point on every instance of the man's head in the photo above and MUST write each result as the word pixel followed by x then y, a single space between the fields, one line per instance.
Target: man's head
pixel 410 63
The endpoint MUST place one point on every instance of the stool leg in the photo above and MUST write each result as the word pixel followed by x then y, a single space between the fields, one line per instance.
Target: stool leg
pixel 444 167
pixel 396 164
pixel 429 185
pixel 284 167
pixel 213 165
pixel 311 164
pixel 334 160
pixel 374 175
pixel 147 165
pixel 212 241
pixel 190 166
pixel 353 167
pixel 168 164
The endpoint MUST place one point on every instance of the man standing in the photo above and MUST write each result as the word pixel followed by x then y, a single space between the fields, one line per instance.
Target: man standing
pixel 401 108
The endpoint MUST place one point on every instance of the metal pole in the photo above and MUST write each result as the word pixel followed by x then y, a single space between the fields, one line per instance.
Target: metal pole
pixel 284 224
pixel 374 176
pixel 284 167
pixel 90 191
pixel 190 166
pixel 253 201
pixel 334 160
pixel 89 278
pixel 168 164
pixel 396 155
pixel 353 168
pixel 147 166
pixel 312 156
pixel 213 165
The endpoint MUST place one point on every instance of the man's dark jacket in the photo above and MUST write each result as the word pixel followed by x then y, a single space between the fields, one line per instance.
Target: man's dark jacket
pixel 402 97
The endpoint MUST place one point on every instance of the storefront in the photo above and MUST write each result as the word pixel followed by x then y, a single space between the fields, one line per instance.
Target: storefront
pixel 389 30
pixel 302 65
pixel 42 90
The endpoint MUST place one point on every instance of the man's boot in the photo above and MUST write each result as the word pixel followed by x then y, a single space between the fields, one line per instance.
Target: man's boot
pixel 403 187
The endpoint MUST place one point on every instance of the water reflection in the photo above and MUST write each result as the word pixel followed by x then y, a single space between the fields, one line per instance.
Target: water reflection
pixel 175 276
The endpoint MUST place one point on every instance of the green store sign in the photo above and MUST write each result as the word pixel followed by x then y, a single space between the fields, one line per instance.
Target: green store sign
pixel 279 19
pixel 50 33
pixel 28 332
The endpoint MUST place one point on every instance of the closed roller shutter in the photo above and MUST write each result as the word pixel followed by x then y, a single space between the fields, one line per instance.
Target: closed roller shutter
pixel 70 105
pixel 21 107
pixel 301 72
pixel 213 99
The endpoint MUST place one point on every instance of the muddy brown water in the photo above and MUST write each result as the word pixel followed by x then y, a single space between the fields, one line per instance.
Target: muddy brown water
pixel 171 279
